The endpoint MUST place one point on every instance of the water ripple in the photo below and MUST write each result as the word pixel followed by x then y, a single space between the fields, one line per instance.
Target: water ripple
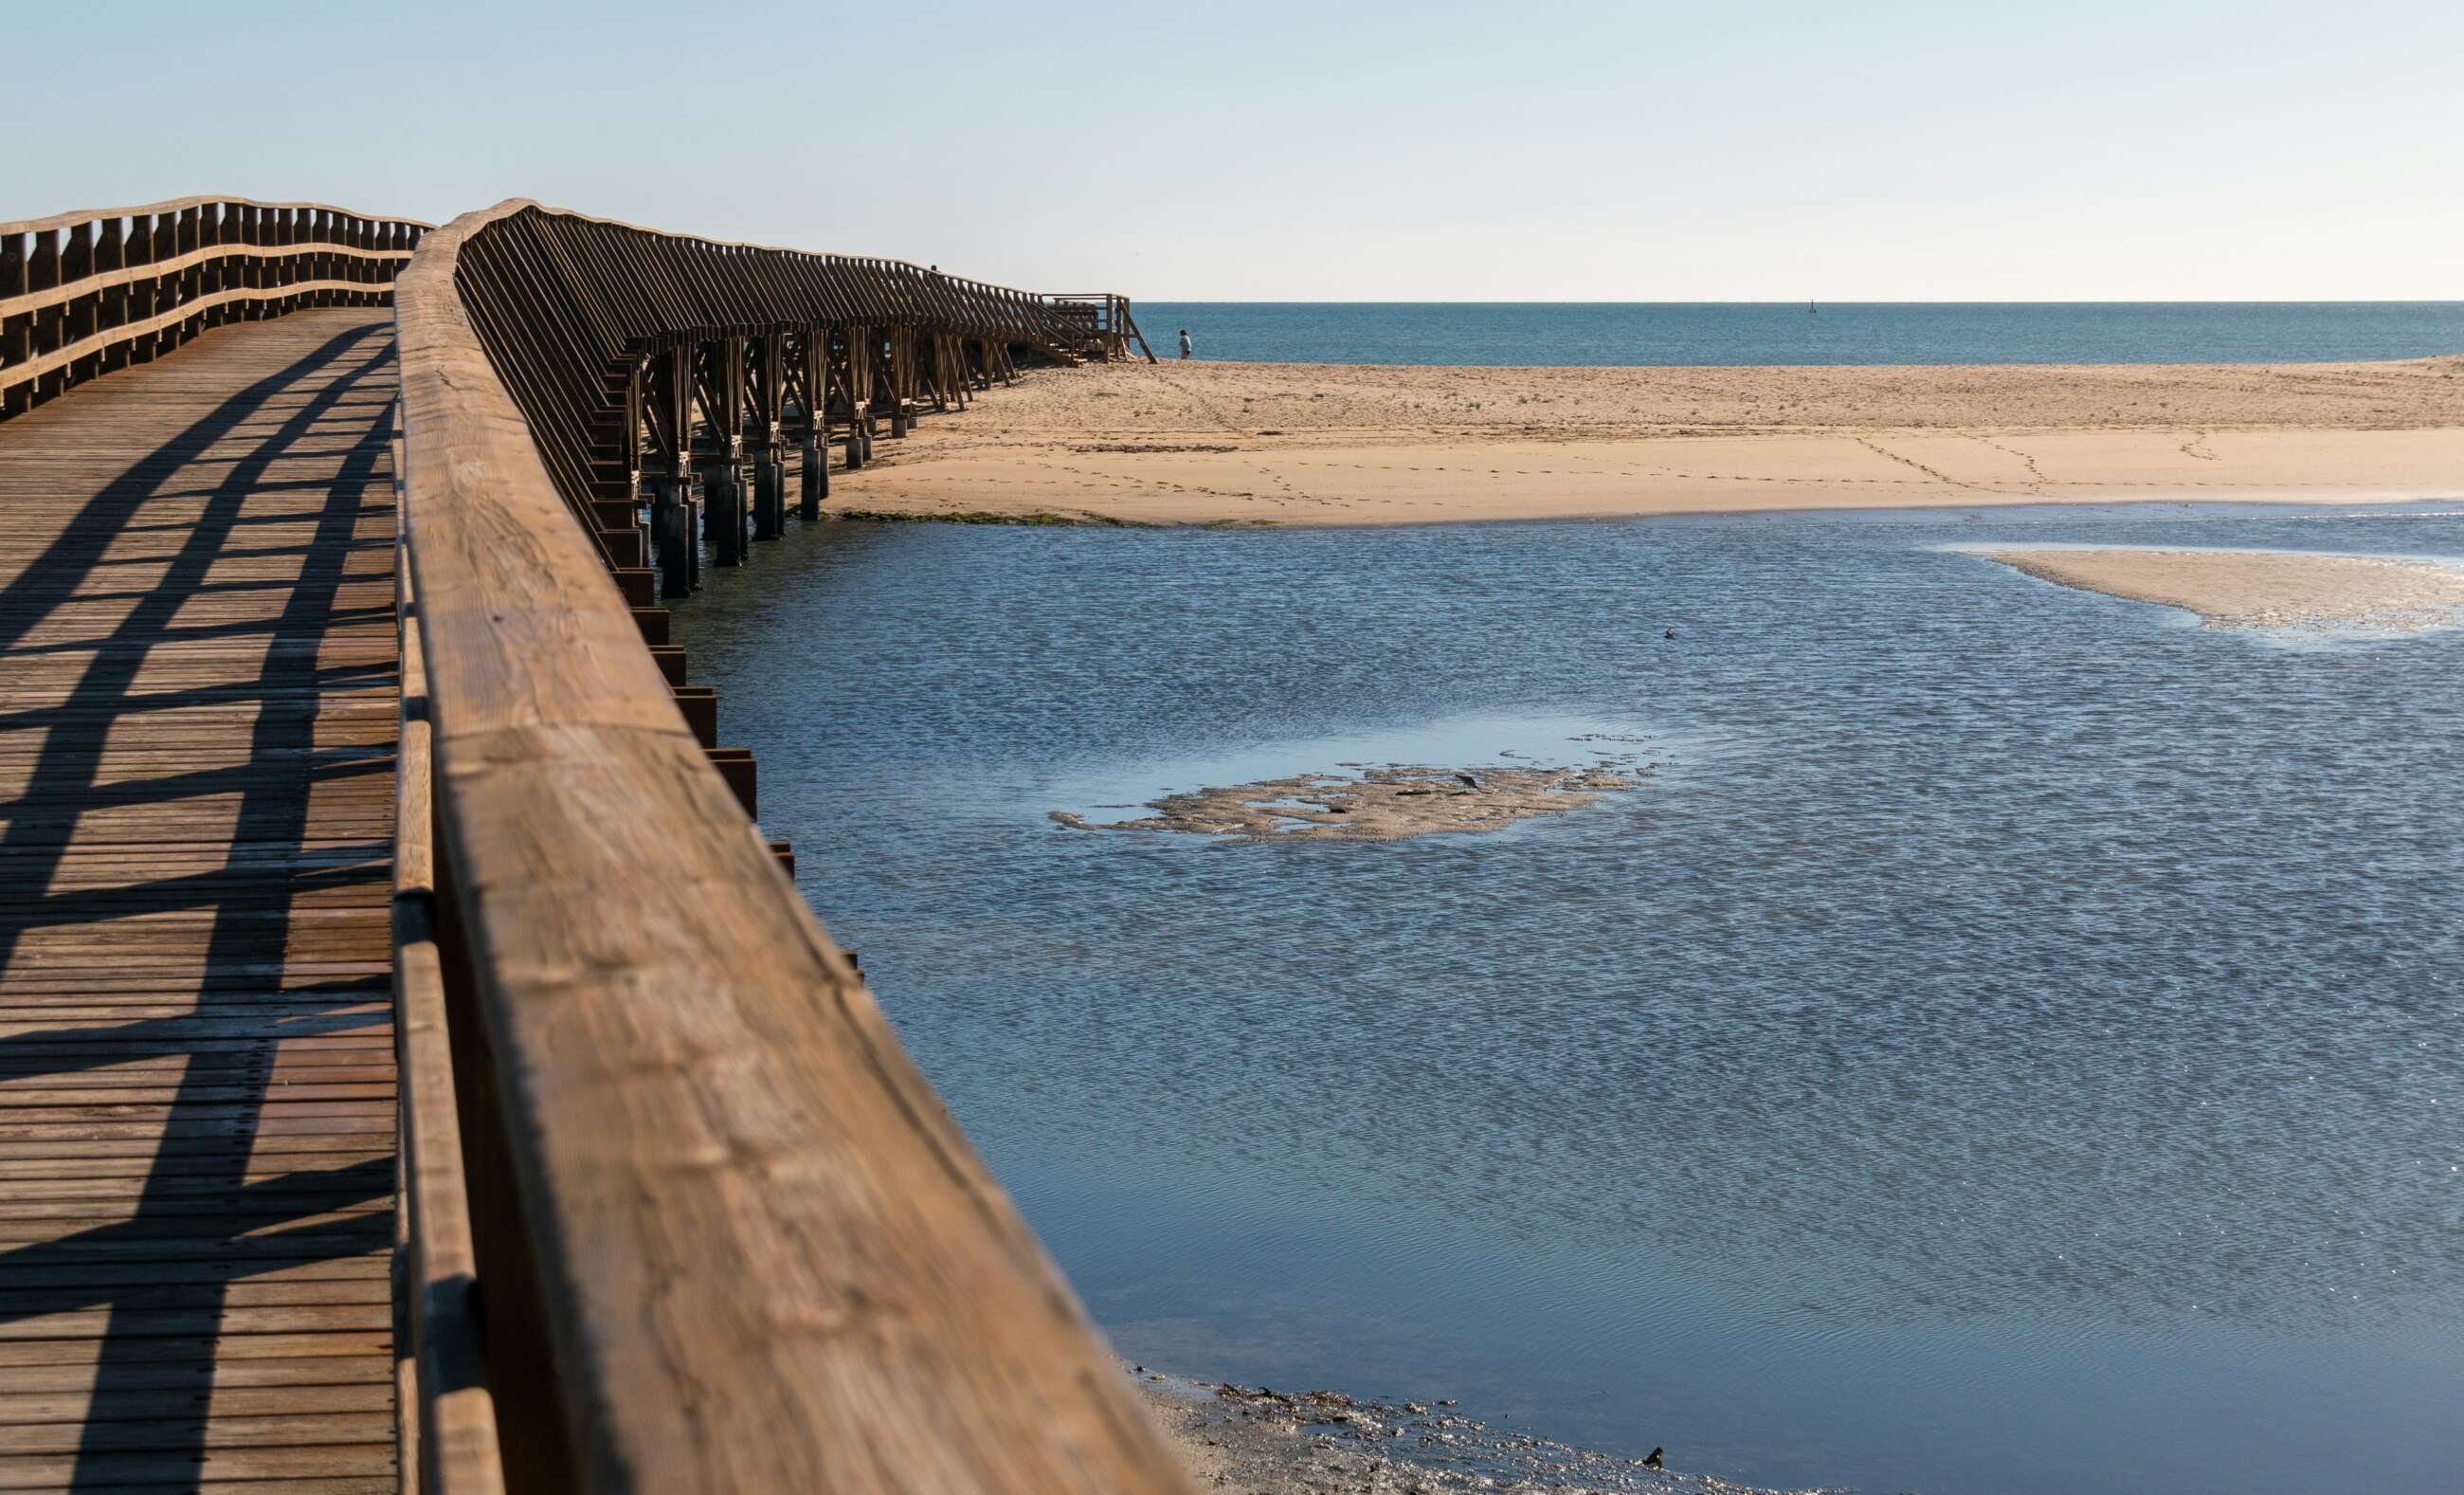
pixel 2008 1018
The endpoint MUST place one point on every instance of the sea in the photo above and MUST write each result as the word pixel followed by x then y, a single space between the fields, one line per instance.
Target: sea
pixel 1700 334
pixel 2009 1041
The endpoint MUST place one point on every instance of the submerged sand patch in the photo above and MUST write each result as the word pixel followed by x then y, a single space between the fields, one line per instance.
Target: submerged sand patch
pixel 1378 804
pixel 2263 588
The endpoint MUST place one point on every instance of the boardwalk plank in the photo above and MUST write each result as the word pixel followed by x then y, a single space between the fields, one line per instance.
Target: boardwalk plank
pixel 197 720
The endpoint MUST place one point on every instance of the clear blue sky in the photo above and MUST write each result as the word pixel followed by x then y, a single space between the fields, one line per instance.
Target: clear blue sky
pixel 1331 150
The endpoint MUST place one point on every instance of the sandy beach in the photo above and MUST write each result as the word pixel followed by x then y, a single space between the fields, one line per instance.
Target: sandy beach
pixel 1202 443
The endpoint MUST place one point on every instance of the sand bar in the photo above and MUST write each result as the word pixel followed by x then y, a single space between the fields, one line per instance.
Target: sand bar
pixel 2263 588
pixel 1313 444
pixel 1389 803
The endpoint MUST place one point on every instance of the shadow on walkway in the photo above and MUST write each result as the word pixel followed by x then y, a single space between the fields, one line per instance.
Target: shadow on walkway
pixel 182 1100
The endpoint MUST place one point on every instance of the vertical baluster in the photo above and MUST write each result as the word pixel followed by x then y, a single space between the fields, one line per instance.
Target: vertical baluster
pixel 320 265
pixel 111 302
pixel 311 233
pixel 16 333
pixel 77 263
pixel 214 275
pixel 264 270
pixel 192 279
pixel 232 261
pixel 286 233
pixel 271 268
pixel 42 272
pixel 164 286
pixel 256 271
pixel 140 305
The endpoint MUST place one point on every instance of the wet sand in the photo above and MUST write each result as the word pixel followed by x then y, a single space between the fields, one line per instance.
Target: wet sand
pixel 2258 589
pixel 1255 1438
pixel 1236 444
pixel 1379 804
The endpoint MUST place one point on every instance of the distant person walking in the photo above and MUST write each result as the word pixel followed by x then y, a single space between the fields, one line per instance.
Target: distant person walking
pixel 1184 344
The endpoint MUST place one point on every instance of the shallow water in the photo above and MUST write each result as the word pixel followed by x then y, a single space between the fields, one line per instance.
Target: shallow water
pixel 1757 333
pixel 2010 1046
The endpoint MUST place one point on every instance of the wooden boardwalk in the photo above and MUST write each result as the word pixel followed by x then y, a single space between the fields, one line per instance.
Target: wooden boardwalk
pixel 649 1124
pixel 198 707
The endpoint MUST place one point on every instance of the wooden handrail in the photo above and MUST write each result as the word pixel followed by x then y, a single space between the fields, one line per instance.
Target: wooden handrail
pixel 727 1237
pixel 446 1414
pixel 83 294
pixel 63 220
pixel 28 372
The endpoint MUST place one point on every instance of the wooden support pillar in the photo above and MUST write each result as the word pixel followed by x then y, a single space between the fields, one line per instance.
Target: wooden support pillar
pixel 671 525
pixel 769 496
pixel 902 380
pixel 735 765
pixel 693 533
pixel 954 367
pixel 724 509
pixel 766 412
pixel 816 478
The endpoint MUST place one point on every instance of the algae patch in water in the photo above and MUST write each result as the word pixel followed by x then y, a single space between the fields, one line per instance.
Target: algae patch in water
pixel 1379 804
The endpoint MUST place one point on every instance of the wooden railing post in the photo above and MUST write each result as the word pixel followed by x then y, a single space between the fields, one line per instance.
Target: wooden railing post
pixel 43 274
pixel 111 310
pixel 17 328
pixel 192 279
pixel 76 265
pixel 214 273
pixel 141 292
